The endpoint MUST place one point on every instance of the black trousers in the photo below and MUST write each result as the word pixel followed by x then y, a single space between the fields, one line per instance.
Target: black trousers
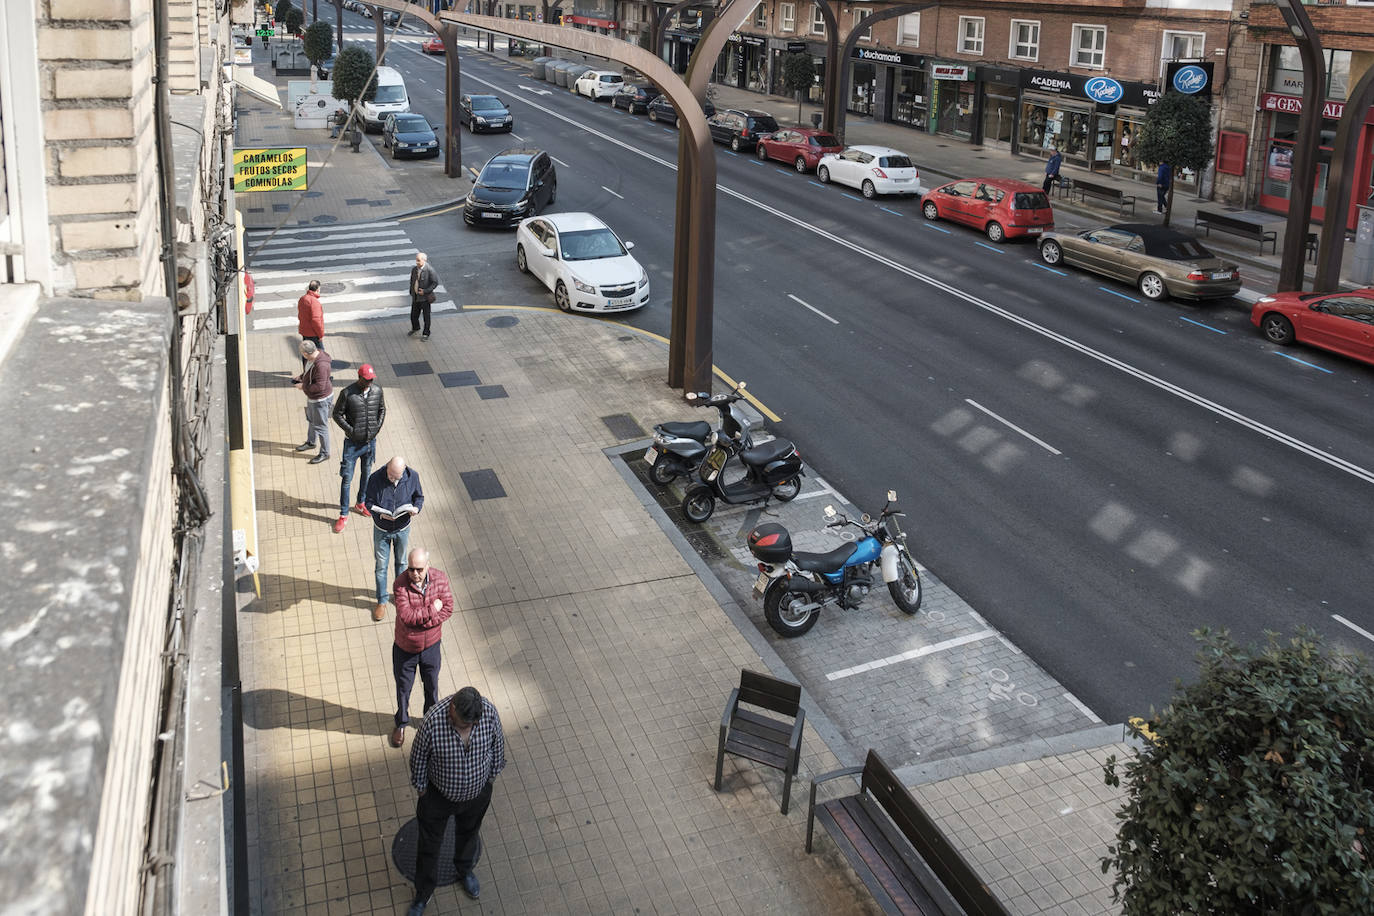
pixel 1051 180
pixel 403 666
pixel 433 811
pixel 418 308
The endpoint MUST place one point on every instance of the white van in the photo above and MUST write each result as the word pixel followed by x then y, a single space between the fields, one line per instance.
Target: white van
pixel 391 98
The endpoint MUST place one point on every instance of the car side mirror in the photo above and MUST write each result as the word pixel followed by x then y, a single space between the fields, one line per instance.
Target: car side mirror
pixel 549 253
pixel 629 246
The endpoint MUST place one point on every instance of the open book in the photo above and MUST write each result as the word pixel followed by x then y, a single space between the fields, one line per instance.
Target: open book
pixel 399 511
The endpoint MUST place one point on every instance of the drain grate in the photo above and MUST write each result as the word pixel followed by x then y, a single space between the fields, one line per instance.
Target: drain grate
pixel 623 426
pixel 459 379
pixel 401 370
pixel 482 484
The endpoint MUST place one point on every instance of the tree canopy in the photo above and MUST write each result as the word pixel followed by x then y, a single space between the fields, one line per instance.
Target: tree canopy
pixel 1256 795
pixel 319 42
pixel 798 74
pixel 1178 130
pixel 352 75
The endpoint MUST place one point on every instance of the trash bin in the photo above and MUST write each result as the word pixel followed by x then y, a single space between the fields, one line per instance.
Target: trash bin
pixel 816 119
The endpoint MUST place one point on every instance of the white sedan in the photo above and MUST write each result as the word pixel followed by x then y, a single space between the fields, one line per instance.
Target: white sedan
pixel 599 84
pixel 871 169
pixel 585 264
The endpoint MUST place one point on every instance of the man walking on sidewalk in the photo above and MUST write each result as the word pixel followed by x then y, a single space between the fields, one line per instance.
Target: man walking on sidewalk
pixel 1052 169
pixel 391 497
pixel 423 282
pixel 1163 179
pixel 424 601
pixel 457 752
pixel 310 315
pixel 315 383
pixel 360 412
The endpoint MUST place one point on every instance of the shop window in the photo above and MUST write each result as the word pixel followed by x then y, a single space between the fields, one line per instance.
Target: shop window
pixel 909 29
pixel 761 16
pixel 1181 46
pixel 1025 40
pixel 787 13
pixel 817 21
pixel 1089 46
pixel 1285 72
pixel 858 15
pixel 971 34
pixel 1231 153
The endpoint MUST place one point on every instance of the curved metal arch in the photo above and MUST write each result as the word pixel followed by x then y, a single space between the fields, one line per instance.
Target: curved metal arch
pixel 842 71
pixel 1305 149
pixel 1345 155
pixel 661 23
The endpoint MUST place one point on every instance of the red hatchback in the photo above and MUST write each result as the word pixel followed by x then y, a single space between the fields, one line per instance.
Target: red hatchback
pixel 801 146
pixel 1001 207
pixel 1340 322
pixel 432 45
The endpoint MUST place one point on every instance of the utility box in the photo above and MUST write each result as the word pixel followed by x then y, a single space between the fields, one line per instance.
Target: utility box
pixel 1362 264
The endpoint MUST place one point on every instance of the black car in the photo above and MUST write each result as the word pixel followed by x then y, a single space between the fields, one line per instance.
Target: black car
pixel 634 98
pixel 516 183
pixel 409 134
pixel 660 109
pixel 485 112
pixel 740 128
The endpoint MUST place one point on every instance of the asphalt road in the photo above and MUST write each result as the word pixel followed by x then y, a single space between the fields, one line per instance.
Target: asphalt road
pixel 1097 474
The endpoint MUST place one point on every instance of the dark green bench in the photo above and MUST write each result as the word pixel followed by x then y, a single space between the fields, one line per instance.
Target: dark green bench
pixel 1121 199
pixel 1209 220
pixel 899 852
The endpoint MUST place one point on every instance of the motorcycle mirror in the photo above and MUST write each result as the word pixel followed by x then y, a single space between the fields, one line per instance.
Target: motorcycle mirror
pixel 892 496
pixel 830 512
pixel 867 518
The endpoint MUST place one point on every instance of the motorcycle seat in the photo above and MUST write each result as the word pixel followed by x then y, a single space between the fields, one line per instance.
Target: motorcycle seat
pixel 697 430
pixel 823 562
pixel 770 451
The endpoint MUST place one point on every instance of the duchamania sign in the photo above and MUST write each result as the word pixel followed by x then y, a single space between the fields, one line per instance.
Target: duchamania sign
pixel 269 169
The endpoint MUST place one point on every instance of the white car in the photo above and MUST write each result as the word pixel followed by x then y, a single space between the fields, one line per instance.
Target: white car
pixel 599 84
pixel 585 264
pixel 871 169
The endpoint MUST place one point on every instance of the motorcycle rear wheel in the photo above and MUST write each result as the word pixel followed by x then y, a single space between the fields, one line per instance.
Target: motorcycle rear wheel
pixel 787 490
pixel 662 471
pixel 781 609
pixel 699 504
pixel 906 590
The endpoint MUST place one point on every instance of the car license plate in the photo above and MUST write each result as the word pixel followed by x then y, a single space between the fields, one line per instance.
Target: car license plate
pixel 761 584
pixel 901 180
pixel 650 455
pixel 1221 275
pixel 1034 230
pixel 626 301
pixel 491 216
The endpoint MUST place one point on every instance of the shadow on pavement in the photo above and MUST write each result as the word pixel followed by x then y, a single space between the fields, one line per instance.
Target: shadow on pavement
pixel 282 593
pixel 271 707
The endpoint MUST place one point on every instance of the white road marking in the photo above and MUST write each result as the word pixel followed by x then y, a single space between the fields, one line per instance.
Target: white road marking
pixel 332 270
pixel 279 255
pixel 1012 426
pixel 265 324
pixel 1358 629
pixel 1178 391
pixel 520 138
pixel 1082 708
pixel 529 89
pixel 331 300
pixel 812 308
pixel 910 654
pixel 609 191
pixel 350 228
pixel 560 161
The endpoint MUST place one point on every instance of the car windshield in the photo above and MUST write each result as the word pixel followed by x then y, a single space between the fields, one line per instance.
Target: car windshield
pixel 486 103
pixel 590 244
pixel 824 140
pixel 764 122
pixel 390 95
pixel 412 124
pixel 1031 200
pixel 895 162
pixel 504 176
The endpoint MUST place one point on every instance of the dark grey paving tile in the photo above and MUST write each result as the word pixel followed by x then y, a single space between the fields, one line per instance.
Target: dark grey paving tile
pixel 490 392
pixel 401 370
pixel 623 426
pixel 482 484
pixel 458 379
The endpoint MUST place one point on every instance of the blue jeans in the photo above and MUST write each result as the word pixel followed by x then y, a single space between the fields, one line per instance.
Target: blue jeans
pixel 403 665
pixel 398 543
pixel 353 451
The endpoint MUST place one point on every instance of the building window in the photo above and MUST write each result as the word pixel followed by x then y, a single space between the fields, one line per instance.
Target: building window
pixel 1181 46
pixel 761 16
pixel 1025 40
pixel 1089 46
pixel 787 12
pixel 1285 72
pixel 909 29
pixel 817 21
pixel 868 33
pixel 971 34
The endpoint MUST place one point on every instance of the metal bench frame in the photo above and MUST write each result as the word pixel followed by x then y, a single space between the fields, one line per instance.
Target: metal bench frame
pixel 1239 227
pixel 1087 189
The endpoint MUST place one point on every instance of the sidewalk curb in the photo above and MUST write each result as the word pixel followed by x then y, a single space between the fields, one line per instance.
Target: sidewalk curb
pixel 1024 752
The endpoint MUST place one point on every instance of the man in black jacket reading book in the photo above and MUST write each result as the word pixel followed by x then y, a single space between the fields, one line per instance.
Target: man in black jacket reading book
pixel 392 496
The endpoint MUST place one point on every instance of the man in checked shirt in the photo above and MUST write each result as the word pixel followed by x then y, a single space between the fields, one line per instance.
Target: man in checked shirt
pixel 456 754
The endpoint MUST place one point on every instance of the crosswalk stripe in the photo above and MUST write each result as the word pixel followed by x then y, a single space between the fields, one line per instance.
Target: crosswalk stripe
pixel 354 246
pixel 297 288
pixel 267 324
pixel 251 234
pixel 334 270
pixel 375 296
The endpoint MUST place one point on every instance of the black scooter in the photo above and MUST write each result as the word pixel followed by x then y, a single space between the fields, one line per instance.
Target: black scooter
pixel 678 448
pixel 771 471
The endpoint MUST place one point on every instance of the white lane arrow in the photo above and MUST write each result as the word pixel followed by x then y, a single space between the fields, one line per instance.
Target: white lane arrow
pixel 536 91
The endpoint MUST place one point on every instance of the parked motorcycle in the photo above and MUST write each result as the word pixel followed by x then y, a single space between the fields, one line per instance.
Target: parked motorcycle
pixel 679 447
pixel 795 586
pixel 771 471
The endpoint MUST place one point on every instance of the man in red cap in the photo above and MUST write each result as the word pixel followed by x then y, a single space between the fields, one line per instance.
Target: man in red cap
pixel 360 412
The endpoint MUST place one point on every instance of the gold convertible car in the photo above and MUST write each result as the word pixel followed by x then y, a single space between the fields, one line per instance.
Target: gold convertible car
pixel 1157 261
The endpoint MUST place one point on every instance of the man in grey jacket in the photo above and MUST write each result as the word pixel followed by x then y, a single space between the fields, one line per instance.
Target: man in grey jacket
pixel 314 382
pixel 423 282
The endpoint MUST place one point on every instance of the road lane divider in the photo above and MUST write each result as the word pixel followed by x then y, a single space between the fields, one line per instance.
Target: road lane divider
pixel 1013 427
pixel 812 308
pixel 609 191
pixel 1356 627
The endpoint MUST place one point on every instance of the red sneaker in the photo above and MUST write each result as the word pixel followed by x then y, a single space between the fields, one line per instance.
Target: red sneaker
pixel 361 510
pixel 339 524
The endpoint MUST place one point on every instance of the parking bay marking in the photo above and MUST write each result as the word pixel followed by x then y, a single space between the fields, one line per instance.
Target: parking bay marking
pixel 812 308
pixel 1304 362
pixel 989 247
pixel 1356 627
pixel 609 191
pixel 1013 427
pixel 1120 295
pixel 893 212
pixel 911 654
pixel 1178 391
pixel 1050 269
pixel 1201 325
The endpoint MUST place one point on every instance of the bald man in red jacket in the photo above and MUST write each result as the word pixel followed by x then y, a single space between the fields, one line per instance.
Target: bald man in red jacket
pixel 423 602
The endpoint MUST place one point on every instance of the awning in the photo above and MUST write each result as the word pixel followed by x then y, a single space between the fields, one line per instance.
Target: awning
pixel 256 86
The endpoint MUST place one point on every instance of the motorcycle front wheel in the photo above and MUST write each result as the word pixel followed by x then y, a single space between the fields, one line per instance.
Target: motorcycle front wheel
pixel 786 610
pixel 787 490
pixel 906 589
pixel 663 471
pixel 698 504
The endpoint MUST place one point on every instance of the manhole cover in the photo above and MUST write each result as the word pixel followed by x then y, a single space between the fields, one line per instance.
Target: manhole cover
pixel 314 193
pixel 503 321
pixel 330 286
pixel 312 236
pixel 326 218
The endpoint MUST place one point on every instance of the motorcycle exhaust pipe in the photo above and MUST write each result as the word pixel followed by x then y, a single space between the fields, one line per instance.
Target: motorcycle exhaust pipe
pixel 802 584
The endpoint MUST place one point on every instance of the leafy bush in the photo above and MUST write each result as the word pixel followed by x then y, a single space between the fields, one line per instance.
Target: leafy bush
pixel 1257 793
pixel 1178 130
pixel 798 74
pixel 319 42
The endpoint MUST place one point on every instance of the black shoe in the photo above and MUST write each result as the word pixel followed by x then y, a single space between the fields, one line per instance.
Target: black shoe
pixel 318 458
pixel 417 907
pixel 424 337
pixel 412 332
pixel 470 886
pixel 305 446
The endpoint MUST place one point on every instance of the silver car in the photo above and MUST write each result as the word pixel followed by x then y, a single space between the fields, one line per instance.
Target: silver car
pixel 1157 261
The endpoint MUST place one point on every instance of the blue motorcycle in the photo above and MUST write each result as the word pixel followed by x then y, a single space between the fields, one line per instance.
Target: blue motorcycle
pixel 795 586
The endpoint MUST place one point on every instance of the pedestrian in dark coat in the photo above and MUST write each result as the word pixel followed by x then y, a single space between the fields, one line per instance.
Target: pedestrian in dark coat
pixel 1164 178
pixel 1052 169
pixel 318 388
pixel 423 282
pixel 360 412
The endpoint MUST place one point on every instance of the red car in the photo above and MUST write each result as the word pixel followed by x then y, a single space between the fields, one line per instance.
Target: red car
pixel 801 146
pixel 1340 322
pixel 1001 207
pixel 432 45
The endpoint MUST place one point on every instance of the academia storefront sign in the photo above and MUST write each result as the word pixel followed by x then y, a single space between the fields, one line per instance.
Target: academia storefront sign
pixel 269 170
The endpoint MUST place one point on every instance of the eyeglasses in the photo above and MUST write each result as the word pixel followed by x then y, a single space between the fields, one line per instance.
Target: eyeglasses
pixel 417 568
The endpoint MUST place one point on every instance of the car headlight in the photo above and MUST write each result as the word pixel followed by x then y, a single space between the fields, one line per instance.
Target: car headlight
pixel 481 120
pixel 1265 299
pixel 643 278
pixel 583 287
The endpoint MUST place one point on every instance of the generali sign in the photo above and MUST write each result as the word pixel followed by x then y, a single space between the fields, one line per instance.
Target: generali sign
pixel 1292 104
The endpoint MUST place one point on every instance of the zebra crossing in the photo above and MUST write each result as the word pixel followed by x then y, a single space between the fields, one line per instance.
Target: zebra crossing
pixel 364 272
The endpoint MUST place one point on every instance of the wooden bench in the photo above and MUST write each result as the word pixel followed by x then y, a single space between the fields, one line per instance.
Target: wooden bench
pixel 1209 220
pixel 763 739
pixel 1112 195
pixel 898 851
